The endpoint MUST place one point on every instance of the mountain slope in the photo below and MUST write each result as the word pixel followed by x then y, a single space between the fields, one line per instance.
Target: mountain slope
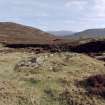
pixel 91 33
pixel 87 34
pixel 20 34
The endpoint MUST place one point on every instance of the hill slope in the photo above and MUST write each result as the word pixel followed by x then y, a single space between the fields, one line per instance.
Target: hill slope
pixel 90 33
pixel 20 34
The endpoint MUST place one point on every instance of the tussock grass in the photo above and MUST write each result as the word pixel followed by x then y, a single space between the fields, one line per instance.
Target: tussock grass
pixel 48 86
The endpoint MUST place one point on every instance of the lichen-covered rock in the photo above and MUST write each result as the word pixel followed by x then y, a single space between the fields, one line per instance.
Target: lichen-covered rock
pixel 29 64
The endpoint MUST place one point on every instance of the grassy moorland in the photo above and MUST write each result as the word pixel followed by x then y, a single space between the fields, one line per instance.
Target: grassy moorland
pixel 48 79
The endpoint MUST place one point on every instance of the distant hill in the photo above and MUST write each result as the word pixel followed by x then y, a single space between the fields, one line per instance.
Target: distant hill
pixel 13 33
pixel 20 34
pixel 90 33
pixel 61 33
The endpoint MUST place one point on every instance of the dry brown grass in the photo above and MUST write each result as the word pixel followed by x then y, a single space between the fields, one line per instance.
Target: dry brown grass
pixel 47 86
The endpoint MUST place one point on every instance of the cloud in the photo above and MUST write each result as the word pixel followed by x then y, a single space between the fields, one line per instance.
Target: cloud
pixel 87 9
pixel 77 4
pixel 54 14
pixel 99 8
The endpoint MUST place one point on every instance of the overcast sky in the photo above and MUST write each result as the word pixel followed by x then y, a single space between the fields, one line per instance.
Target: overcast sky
pixel 74 15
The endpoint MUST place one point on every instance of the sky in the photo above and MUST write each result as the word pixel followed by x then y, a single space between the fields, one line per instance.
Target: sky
pixel 48 15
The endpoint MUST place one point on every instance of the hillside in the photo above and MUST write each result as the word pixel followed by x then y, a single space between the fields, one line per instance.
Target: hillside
pixel 90 33
pixel 20 34
pixel 96 34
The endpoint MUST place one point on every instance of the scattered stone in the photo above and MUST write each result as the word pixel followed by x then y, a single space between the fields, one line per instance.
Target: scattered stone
pixel 30 64
pixel 40 63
